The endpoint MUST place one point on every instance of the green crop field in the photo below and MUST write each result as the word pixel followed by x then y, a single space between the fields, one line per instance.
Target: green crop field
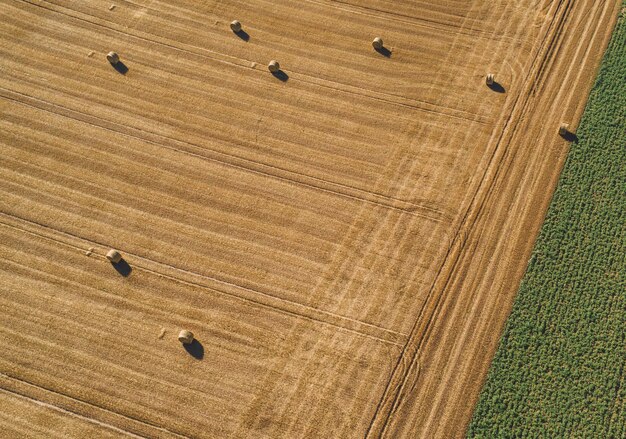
pixel 559 369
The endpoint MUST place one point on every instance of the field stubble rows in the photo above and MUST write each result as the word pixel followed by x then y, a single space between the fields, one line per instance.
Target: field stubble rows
pixel 345 244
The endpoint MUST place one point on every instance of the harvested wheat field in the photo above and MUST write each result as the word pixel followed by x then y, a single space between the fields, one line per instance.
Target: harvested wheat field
pixel 343 237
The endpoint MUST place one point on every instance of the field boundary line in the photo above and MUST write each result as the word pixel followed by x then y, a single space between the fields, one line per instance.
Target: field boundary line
pixel 233 161
pixel 393 393
pixel 572 280
pixel 65 403
pixel 570 18
pixel 231 289
pixel 511 154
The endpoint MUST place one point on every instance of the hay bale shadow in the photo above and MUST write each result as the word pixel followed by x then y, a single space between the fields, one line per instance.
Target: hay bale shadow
pixel 569 136
pixel 120 67
pixel 243 35
pixel 195 349
pixel 384 52
pixel 497 87
pixel 122 267
pixel 280 75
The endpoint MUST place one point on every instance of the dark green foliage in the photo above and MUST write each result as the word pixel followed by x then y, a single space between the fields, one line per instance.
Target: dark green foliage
pixel 559 370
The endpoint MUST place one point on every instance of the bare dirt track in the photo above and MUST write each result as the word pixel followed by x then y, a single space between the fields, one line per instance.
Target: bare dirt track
pixel 344 240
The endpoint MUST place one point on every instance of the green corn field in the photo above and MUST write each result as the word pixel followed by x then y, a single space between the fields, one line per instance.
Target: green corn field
pixel 559 369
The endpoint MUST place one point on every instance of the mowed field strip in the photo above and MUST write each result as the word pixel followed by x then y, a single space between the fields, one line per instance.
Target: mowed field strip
pixel 345 243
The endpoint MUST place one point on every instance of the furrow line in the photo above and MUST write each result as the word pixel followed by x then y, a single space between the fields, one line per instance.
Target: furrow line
pixel 224 159
pixel 82 409
pixel 199 280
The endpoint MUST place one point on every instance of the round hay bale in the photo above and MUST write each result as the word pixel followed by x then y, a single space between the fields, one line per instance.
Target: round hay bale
pixel 377 43
pixel 185 337
pixel 491 79
pixel 273 66
pixel 235 25
pixel 564 129
pixel 113 58
pixel 114 256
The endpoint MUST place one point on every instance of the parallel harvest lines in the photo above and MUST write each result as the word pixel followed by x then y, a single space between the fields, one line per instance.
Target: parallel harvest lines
pixel 87 310
pixel 16 419
pixel 371 250
pixel 355 151
pixel 341 243
pixel 211 284
pixel 199 151
pixel 362 89
pixel 166 247
pixel 452 332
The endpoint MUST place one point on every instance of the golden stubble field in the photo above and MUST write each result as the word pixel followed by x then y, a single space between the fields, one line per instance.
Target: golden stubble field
pixel 344 240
